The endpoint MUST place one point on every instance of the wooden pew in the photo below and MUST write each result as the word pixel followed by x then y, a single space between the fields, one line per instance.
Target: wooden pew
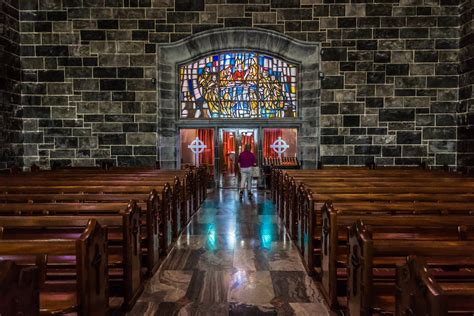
pixel 86 290
pixel 422 291
pixel 373 291
pixel 334 233
pixel 154 215
pixel 19 289
pixel 123 224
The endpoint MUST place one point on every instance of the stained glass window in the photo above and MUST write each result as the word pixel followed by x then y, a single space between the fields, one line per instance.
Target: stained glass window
pixel 238 85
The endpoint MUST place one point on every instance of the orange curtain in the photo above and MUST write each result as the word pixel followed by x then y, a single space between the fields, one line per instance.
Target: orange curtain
pixel 207 137
pixel 269 137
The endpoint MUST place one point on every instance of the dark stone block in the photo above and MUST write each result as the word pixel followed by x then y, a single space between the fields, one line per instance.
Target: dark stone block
pixel 408 137
pixel 130 127
pixel 112 84
pixel 386 33
pixel 108 24
pixel 295 14
pixel 329 109
pixel 131 107
pixel 423 11
pixel 426 56
pixel 36 112
pixel 360 160
pixel 131 72
pixel 43 27
pixel 160 27
pixel 119 118
pixel 329 131
pixel 150 48
pixel 446 44
pixel 377 131
pixel 446 21
pixel 391 151
pixel 27 50
pixel 285 3
pixel 92 35
pixel 407 161
pixel 446 120
pixel 397 115
pixel 358 131
pixel 414 33
pixel 136 161
pixel 382 57
pixel 112 139
pixel 375 77
pixel 293 26
pixel 405 92
pixel 420 44
pixel 197 28
pixel 334 160
pixel 121 150
pixel 397 69
pixel 79 72
pixel 332 140
pixel 146 24
pixel 105 72
pixel 333 82
pixel 442 82
pixel 89 61
pixel 57 15
pixel 49 50
pixel 351 120
pixel 439 133
pixel 334 54
pixel 446 159
pixel 93 118
pixel 347 66
pixel 374 102
pixel 147 127
pixel 367 45
pixel 189 5
pixel 96 96
pixel 321 10
pixel 238 22
pixel 367 150
pixel 144 150
pixel 368 22
pixel 123 96
pixel 337 10
pixel 139 35
pixel 443 107
pixel 414 151
pixel 346 22
pixel 447 69
pixel 378 10
pixel 183 17
pixel 51 76
pixel 65 142
pixel 70 61
pixel 358 139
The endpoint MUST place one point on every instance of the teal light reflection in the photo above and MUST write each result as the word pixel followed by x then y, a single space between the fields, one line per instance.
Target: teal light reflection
pixel 266 232
pixel 211 237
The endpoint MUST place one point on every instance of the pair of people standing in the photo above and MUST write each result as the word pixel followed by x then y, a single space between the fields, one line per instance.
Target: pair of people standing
pixel 246 162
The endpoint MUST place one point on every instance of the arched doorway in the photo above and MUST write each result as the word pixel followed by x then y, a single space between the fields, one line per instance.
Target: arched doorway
pixel 198 91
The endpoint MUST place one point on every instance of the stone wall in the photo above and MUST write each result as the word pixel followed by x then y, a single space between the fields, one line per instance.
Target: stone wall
pixel 466 90
pixel 390 92
pixel 10 122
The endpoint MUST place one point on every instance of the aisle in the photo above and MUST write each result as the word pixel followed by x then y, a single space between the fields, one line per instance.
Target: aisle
pixel 233 259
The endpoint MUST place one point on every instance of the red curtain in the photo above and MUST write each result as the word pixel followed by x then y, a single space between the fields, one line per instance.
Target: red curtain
pixel 248 139
pixel 269 137
pixel 207 137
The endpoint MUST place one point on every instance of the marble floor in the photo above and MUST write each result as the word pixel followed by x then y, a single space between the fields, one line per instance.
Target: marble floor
pixel 234 258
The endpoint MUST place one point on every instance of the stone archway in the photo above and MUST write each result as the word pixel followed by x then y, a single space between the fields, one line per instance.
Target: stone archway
pixel 305 54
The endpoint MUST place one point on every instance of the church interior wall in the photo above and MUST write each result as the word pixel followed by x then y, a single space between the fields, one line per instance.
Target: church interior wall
pixel 390 92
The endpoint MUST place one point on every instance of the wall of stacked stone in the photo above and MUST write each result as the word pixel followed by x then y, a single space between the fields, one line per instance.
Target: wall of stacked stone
pixel 390 92
pixel 466 90
pixel 10 124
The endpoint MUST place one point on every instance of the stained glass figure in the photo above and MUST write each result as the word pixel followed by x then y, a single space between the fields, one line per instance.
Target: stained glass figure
pixel 238 85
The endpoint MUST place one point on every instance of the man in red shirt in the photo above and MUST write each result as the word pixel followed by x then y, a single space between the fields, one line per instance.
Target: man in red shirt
pixel 246 161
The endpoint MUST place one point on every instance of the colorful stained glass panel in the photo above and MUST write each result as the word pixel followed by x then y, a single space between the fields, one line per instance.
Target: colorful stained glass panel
pixel 238 85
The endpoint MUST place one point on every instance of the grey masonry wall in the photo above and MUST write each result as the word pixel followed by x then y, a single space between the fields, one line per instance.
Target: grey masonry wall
pixel 466 90
pixel 390 92
pixel 11 149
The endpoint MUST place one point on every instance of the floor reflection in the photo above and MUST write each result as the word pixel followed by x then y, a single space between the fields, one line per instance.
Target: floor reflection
pixel 234 258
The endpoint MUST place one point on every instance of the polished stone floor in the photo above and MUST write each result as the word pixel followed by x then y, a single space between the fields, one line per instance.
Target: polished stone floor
pixel 233 259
